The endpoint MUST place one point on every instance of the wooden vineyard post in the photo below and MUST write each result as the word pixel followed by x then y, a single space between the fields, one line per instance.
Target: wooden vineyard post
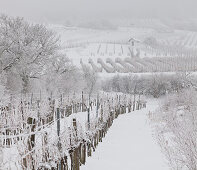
pixel 82 101
pixel 45 149
pixel 76 151
pixel 139 103
pixel 76 159
pixel 38 113
pixel 75 128
pixel 134 99
pixel 97 105
pixel 83 153
pixel 61 99
pixel 89 149
pixel 31 144
pixel 101 113
pixel 71 149
pixel 58 122
pixel 100 135
pixel 119 105
pixel 79 153
pixel 53 110
pixel 129 108
pixel 134 105
pixel 88 118
pixel 65 163
pixel 58 134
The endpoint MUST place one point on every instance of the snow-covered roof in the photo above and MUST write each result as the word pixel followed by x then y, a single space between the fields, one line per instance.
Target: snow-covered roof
pixel 133 39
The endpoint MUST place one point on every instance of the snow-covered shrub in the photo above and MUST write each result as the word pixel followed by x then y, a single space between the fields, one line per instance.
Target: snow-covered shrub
pixel 176 129
pixel 155 85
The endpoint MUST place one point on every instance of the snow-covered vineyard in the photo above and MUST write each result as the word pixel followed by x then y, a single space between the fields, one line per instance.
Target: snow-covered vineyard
pixel 98 85
pixel 132 50
pixel 37 134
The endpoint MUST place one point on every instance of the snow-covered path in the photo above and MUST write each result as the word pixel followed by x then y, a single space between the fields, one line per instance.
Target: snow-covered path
pixel 128 145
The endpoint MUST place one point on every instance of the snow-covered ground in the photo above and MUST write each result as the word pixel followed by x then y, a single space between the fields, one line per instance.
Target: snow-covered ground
pixel 91 46
pixel 129 145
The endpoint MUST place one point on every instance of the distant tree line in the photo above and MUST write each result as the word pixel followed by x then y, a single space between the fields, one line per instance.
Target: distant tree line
pixel 155 85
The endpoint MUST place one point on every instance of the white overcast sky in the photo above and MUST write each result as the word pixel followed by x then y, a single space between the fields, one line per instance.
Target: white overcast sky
pixel 53 10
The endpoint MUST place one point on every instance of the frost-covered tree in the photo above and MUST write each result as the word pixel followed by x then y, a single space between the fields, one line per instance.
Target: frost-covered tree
pixel 63 76
pixel 157 85
pixel 151 41
pixel 90 77
pixel 26 49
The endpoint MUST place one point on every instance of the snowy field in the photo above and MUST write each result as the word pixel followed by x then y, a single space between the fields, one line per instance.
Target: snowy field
pixel 129 145
pixel 136 49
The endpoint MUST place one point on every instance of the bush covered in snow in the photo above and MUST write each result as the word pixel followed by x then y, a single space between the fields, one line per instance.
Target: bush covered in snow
pixel 176 129
pixel 155 85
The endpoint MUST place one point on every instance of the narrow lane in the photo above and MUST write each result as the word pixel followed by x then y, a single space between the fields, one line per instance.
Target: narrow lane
pixel 129 145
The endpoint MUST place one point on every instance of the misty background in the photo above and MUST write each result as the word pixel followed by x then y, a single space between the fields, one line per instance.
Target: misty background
pixel 57 11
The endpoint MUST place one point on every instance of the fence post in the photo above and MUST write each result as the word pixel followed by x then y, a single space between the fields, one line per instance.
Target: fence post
pixel 97 105
pixel 61 99
pixel 31 144
pixel 88 118
pixel 133 105
pixel 38 113
pixel 83 153
pixel 76 152
pixel 82 100
pixel 58 134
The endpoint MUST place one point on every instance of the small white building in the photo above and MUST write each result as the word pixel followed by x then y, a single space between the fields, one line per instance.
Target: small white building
pixel 133 41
